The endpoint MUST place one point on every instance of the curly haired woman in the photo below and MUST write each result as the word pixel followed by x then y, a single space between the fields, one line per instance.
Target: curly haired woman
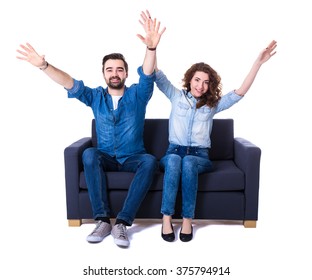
pixel 190 124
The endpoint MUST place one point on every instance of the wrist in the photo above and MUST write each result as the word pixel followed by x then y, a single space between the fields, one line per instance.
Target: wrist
pixel 44 67
pixel 151 49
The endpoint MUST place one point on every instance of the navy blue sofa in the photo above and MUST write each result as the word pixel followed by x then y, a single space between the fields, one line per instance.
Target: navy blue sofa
pixel 230 192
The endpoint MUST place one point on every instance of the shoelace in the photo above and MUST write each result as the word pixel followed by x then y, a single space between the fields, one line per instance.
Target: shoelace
pixel 121 231
pixel 99 224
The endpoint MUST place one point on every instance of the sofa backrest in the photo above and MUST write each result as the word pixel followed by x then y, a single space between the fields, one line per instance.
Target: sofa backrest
pixel 222 139
pixel 156 138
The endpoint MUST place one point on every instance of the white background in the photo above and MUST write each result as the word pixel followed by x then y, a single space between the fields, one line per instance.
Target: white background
pixel 38 122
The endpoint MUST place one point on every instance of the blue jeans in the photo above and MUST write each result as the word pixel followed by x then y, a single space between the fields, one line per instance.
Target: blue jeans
pixel 96 163
pixel 185 164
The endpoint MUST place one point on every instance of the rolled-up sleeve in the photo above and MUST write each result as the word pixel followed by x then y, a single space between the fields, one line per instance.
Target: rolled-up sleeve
pixel 146 84
pixel 72 93
pixel 228 101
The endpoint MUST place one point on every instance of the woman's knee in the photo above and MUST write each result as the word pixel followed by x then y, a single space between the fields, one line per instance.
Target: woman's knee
pixel 189 162
pixel 171 161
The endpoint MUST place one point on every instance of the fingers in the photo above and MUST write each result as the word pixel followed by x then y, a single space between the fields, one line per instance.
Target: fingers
pixel 145 16
pixel 149 24
pixel 146 20
pixel 162 31
pixel 21 57
pixel 272 45
pixel 30 46
pixel 24 48
pixel 148 14
pixel 28 49
pixel 22 53
pixel 269 50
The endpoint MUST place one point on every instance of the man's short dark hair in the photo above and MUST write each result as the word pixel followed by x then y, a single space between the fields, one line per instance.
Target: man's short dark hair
pixel 115 56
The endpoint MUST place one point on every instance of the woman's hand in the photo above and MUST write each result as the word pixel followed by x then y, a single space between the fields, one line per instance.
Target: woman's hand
pixel 151 27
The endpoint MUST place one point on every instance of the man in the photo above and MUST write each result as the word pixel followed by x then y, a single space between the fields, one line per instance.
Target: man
pixel 119 113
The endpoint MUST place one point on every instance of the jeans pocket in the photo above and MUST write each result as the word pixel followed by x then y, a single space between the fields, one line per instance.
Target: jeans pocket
pixel 172 149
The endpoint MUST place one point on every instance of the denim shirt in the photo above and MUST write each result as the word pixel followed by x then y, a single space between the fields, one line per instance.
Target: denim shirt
pixel 120 131
pixel 189 126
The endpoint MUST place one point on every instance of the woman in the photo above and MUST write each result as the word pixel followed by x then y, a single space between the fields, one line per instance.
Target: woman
pixel 190 124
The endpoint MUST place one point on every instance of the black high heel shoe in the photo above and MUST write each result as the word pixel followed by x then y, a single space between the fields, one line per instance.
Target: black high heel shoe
pixel 186 237
pixel 169 237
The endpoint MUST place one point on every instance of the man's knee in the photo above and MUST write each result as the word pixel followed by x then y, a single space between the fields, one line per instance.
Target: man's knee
pixel 149 160
pixel 89 155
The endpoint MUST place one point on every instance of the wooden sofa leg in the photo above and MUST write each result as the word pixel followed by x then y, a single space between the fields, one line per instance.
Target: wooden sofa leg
pixel 250 224
pixel 74 223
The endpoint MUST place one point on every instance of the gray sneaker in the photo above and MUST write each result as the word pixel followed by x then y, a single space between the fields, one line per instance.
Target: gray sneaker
pixel 119 232
pixel 101 230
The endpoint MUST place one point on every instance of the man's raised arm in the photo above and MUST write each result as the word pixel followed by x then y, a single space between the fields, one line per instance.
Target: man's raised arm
pixel 29 54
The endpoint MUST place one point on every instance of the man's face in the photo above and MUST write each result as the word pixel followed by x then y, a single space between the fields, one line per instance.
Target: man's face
pixel 115 74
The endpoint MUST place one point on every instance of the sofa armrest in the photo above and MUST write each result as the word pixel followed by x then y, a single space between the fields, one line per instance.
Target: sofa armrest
pixel 73 167
pixel 247 158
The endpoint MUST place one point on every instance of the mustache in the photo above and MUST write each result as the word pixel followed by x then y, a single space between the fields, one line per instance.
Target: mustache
pixel 115 78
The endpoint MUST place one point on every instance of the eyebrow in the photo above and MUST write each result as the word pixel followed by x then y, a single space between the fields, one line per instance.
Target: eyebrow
pixel 118 68
pixel 200 79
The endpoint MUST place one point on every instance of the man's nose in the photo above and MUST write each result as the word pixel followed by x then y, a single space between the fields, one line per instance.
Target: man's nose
pixel 115 73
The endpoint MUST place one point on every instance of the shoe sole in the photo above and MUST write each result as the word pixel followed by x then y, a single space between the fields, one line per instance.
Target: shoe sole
pixel 122 243
pixel 97 240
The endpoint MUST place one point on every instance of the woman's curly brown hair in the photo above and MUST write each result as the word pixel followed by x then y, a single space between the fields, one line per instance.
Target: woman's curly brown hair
pixel 213 95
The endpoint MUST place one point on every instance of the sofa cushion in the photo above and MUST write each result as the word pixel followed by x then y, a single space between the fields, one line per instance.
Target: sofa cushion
pixel 156 134
pixel 222 139
pixel 122 180
pixel 226 176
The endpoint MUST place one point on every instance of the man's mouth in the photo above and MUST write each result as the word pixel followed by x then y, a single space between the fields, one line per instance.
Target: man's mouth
pixel 115 80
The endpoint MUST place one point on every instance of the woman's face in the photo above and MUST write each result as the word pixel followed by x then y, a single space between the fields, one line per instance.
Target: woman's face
pixel 199 84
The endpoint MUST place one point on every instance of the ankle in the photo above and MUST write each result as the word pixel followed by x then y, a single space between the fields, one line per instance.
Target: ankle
pixel 120 221
pixel 103 219
pixel 166 224
pixel 186 226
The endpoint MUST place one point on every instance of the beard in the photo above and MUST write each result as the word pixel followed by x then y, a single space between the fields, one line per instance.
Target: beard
pixel 116 85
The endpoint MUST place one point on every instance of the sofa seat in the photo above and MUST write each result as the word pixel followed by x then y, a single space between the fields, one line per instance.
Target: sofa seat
pixel 226 176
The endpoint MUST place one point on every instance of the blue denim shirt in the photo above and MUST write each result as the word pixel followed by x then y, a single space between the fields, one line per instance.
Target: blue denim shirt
pixel 120 131
pixel 189 126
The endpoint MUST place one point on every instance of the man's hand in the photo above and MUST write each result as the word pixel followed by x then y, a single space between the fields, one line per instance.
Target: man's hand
pixel 29 54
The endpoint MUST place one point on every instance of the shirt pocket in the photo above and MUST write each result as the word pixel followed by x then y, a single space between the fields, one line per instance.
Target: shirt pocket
pixel 181 109
pixel 203 114
pixel 127 110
